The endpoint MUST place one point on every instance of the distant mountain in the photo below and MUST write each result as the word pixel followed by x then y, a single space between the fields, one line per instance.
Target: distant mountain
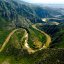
pixel 52 5
pixel 16 13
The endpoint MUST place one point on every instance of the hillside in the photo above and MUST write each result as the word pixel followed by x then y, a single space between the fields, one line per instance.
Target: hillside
pixel 13 48
pixel 30 34
pixel 18 13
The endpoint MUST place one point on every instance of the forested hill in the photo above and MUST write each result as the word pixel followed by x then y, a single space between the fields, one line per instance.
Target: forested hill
pixel 15 13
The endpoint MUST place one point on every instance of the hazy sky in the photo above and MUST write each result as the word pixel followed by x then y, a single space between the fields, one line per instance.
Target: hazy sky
pixel 46 1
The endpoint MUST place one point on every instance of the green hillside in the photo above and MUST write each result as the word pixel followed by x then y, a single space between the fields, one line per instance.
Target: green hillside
pixel 36 39
pixel 30 34
pixel 14 52
pixel 3 35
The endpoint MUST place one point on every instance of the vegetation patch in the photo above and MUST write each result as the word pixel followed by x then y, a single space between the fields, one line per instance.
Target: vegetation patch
pixel 3 35
pixel 36 39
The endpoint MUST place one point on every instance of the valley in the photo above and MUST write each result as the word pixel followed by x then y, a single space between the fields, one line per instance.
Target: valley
pixel 31 33
pixel 26 45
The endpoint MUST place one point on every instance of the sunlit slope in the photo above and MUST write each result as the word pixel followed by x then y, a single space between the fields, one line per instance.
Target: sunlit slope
pixel 14 37
pixel 3 35
pixel 48 38
pixel 21 39
pixel 14 51
pixel 36 39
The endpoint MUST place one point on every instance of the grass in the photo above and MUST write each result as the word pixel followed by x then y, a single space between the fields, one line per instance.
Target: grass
pixel 14 55
pixel 3 35
pixel 41 36
pixel 16 38
pixel 36 39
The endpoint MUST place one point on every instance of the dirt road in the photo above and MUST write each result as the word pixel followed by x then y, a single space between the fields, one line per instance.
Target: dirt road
pixel 26 45
pixel 7 40
pixel 46 45
pixel 48 38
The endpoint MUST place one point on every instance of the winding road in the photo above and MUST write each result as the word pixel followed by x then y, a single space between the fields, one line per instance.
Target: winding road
pixel 26 45
pixel 46 45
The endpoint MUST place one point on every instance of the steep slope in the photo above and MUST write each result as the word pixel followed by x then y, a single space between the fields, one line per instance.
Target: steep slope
pixel 10 15
pixel 15 13
pixel 56 32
